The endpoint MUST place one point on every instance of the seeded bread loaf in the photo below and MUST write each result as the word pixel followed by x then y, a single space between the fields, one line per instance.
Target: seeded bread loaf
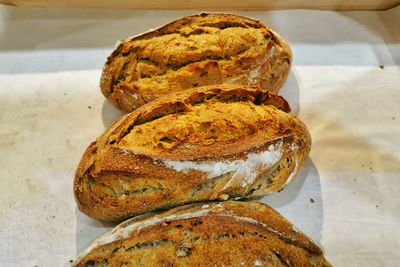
pixel 206 143
pixel 221 234
pixel 195 51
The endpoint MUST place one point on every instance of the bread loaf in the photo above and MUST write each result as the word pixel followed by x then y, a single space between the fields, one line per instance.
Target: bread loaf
pixel 220 234
pixel 206 143
pixel 195 51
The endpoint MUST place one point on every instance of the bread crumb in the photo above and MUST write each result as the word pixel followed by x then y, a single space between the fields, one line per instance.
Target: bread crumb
pixel 381 66
pixel 205 206
pixel 312 200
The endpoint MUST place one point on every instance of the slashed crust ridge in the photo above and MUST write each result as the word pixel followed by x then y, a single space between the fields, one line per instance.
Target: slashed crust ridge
pixel 212 234
pixel 232 141
pixel 195 51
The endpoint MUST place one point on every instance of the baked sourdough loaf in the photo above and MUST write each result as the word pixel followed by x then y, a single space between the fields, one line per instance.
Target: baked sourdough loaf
pixel 229 233
pixel 206 143
pixel 195 51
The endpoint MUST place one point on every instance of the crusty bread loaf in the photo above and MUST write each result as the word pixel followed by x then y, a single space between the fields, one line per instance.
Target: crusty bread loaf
pixel 206 143
pixel 195 51
pixel 220 234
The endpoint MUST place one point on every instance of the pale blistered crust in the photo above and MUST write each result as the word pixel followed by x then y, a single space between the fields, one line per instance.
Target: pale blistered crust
pixel 266 67
pixel 219 234
pixel 113 182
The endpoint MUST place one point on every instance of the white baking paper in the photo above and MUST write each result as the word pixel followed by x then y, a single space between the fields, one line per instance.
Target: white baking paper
pixel 345 85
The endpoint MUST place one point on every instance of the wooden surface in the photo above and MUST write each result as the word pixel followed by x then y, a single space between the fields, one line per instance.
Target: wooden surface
pixel 211 5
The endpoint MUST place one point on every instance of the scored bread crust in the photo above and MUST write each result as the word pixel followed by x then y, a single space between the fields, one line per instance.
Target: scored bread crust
pixel 194 51
pixel 115 181
pixel 229 233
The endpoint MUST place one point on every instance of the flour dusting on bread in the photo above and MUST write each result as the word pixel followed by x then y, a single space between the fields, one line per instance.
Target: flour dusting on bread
pixel 254 76
pixel 292 174
pixel 262 160
pixel 241 168
pixel 125 229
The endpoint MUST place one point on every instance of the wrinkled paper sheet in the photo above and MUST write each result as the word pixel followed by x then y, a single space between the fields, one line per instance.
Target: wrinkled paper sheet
pixel 345 85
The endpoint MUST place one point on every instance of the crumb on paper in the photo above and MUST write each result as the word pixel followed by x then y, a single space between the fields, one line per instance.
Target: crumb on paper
pixel 89 107
pixel 393 118
pixel 312 200
pixel 381 66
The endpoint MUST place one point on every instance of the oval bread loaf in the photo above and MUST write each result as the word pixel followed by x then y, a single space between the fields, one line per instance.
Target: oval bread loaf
pixel 206 143
pixel 221 234
pixel 195 51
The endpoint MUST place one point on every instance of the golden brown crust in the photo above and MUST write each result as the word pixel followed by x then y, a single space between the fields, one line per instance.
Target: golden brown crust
pixel 195 51
pixel 219 234
pixel 120 176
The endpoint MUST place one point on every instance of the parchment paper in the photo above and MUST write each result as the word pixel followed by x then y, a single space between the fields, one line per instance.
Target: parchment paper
pixel 345 85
